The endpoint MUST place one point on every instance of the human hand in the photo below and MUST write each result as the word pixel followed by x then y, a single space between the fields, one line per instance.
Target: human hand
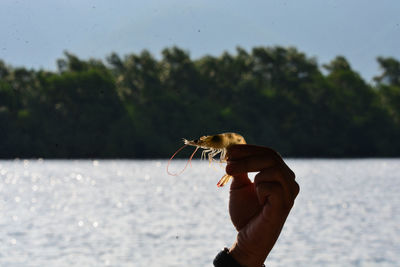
pixel 258 209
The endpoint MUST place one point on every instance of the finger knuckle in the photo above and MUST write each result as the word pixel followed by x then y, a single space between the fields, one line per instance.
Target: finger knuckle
pixel 292 174
pixel 296 188
pixel 269 174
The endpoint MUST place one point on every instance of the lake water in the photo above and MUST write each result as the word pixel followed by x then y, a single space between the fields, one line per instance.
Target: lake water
pixel 131 213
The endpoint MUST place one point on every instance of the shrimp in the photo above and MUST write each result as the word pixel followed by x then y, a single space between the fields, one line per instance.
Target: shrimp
pixel 213 145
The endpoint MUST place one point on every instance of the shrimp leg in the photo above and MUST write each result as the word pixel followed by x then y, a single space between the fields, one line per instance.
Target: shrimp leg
pixel 213 145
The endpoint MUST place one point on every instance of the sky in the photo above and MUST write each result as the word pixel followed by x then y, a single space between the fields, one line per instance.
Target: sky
pixel 35 34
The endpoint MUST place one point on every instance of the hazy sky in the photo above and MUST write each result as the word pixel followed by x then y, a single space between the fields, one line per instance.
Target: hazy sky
pixel 34 33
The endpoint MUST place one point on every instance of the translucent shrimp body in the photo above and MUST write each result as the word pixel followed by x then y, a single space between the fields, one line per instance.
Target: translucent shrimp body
pixel 214 145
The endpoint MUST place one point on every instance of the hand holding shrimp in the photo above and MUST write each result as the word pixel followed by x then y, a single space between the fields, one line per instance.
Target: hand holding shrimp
pixel 258 209
pixel 213 145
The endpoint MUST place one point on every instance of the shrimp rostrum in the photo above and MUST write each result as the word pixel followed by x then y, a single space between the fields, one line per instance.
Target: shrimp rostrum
pixel 213 145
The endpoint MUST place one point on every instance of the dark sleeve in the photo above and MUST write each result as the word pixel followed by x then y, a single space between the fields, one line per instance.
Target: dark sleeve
pixel 223 259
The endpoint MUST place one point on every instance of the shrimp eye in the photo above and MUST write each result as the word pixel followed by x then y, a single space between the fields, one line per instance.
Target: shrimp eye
pixel 196 141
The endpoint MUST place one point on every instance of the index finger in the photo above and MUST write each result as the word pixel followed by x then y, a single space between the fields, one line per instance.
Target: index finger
pixel 251 158
pixel 236 152
pixel 250 164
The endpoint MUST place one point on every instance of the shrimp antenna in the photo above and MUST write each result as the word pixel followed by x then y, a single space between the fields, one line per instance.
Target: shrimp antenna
pixel 187 163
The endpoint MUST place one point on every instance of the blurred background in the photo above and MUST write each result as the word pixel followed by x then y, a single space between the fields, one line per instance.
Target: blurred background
pixel 95 96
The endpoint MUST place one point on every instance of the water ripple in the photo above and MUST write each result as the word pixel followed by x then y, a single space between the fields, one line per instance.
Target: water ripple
pixel 131 213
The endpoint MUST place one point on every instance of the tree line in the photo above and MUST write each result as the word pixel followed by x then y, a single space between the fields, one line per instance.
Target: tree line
pixel 139 106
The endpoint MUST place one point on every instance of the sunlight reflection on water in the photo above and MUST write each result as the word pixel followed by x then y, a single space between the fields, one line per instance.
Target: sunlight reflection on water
pixel 131 213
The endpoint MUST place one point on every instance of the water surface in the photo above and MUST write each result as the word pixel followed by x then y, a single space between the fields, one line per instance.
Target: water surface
pixel 131 213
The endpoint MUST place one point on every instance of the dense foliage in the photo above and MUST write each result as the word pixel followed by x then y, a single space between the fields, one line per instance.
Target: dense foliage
pixel 140 107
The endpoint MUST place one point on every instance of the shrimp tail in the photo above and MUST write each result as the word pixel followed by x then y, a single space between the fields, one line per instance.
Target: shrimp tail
pixel 224 180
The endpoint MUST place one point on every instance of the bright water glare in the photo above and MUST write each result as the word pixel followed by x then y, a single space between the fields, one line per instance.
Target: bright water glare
pixel 131 213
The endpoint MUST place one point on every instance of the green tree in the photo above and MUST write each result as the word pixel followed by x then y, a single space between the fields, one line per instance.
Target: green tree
pixel 140 106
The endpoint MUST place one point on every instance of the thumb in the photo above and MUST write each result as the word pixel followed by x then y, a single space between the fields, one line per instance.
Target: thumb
pixel 240 180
